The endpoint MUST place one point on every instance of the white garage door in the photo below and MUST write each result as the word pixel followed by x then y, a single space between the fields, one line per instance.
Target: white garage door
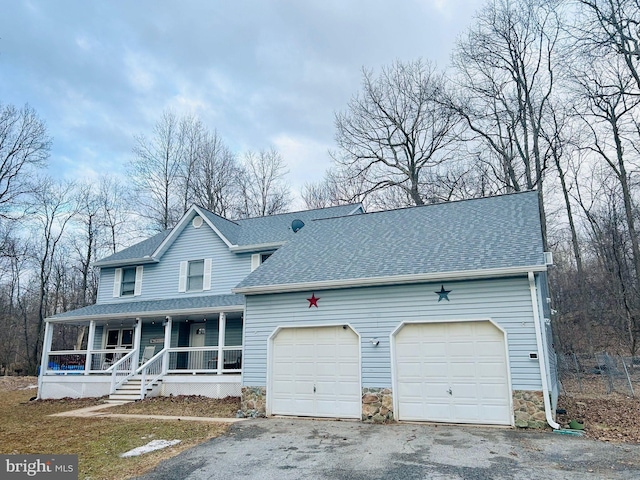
pixel 315 372
pixel 452 372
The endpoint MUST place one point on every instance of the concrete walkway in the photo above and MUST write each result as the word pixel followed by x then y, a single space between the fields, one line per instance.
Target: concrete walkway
pixel 96 411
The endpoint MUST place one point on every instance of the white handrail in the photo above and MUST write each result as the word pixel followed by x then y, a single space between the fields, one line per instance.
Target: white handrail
pixel 153 367
pixel 115 368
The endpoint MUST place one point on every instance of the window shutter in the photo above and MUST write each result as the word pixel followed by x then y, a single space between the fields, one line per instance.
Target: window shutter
pixel 182 284
pixel 206 276
pixel 137 290
pixel 255 261
pixel 117 281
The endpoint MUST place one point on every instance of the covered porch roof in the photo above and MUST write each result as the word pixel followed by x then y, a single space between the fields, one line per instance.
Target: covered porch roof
pixel 153 308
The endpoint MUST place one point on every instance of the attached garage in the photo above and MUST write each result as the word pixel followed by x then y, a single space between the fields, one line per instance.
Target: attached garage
pixel 315 371
pixel 455 372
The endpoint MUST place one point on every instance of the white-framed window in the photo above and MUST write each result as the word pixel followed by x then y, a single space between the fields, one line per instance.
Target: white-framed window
pixel 128 284
pixel 195 275
pixel 258 259
pixel 119 338
pixel 127 281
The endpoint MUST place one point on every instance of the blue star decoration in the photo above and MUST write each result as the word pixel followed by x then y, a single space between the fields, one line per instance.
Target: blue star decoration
pixel 443 294
pixel 313 301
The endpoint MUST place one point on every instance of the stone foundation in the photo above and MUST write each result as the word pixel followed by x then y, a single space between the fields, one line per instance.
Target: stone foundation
pixel 253 402
pixel 528 409
pixel 377 405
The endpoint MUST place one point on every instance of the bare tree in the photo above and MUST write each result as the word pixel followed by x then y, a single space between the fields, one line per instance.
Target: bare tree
pixel 86 240
pixel 192 134
pixel 262 184
pixel 156 171
pixel 337 187
pixel 53 209
pixel 114 198
pixel 505 71
pixel 24 144
pixel 215 175
pixel 395 130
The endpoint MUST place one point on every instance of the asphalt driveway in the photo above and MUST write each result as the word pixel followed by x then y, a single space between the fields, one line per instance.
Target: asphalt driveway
pixel 285 449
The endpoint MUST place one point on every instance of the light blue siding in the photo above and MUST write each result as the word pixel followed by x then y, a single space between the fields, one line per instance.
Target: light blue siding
pixel 374 312
pixel 150 331
pixel 160 280
pixel 97 339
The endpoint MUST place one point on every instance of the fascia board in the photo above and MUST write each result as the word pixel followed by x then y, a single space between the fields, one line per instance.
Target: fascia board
pixel 213 227
pixel 126 261
pixel 156 313
pixel 255 247
pixel 359 207
pixel 390 280
pixel 177 230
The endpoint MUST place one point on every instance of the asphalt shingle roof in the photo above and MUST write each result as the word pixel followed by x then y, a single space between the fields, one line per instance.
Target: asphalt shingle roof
pixel 248 231
pixel 151 306
pixel 487 233
pixel 139 250
pixel 277 228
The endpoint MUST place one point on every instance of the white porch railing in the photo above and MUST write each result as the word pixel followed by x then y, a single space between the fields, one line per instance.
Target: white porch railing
pixel 151 371
pixel 102 360
pixel 122 370
pixel 204 360
pixel 119 362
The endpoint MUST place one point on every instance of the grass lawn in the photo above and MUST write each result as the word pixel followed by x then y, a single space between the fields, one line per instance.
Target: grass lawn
pixel 26 428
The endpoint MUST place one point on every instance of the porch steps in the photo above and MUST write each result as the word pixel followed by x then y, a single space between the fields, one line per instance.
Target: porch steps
pixel 130 391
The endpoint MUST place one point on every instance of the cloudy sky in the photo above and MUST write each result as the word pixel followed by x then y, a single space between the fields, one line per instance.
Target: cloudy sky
pixel 263 73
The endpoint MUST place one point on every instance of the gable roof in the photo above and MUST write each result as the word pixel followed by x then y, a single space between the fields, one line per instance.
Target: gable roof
pixel 494 235
pixel 240 235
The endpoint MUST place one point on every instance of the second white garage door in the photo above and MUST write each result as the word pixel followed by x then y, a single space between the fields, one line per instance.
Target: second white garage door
pixel 452 372
pixel 315 372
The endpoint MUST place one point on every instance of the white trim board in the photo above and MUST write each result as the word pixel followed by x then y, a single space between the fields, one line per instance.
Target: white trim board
pixel 391 280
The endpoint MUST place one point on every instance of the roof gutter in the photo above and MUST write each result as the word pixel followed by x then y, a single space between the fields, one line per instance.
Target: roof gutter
pixel 126 261
pixel 542 359
pixel 389 280
pixel 255 247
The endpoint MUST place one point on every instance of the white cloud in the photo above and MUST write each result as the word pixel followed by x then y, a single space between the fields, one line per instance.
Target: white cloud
pixel 306 158
pixel 140 71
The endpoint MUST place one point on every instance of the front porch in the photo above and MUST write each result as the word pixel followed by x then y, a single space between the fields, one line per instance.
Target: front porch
pixel 130 358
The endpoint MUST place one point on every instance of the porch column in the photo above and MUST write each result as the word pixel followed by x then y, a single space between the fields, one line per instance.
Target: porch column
pixel 222 322
pixel 136 344
pixel 167 344
pixel 46 348
pixel 90 339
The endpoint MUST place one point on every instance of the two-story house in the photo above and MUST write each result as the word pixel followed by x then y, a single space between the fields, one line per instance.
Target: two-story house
pixel 435 313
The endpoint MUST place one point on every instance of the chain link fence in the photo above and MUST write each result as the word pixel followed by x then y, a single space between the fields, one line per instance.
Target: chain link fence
pixel 601 373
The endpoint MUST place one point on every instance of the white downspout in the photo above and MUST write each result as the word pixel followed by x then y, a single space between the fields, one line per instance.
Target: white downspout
pixel 541 356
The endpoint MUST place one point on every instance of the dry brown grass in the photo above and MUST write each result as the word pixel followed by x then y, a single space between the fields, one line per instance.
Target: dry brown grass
pixel 26 428
pixel 183 405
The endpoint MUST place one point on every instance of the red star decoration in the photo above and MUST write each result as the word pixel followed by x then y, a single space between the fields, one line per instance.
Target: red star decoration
pixel 313 301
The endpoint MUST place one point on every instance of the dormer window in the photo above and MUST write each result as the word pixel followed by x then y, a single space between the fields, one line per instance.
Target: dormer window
pixel 127 281
pixel 258 259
